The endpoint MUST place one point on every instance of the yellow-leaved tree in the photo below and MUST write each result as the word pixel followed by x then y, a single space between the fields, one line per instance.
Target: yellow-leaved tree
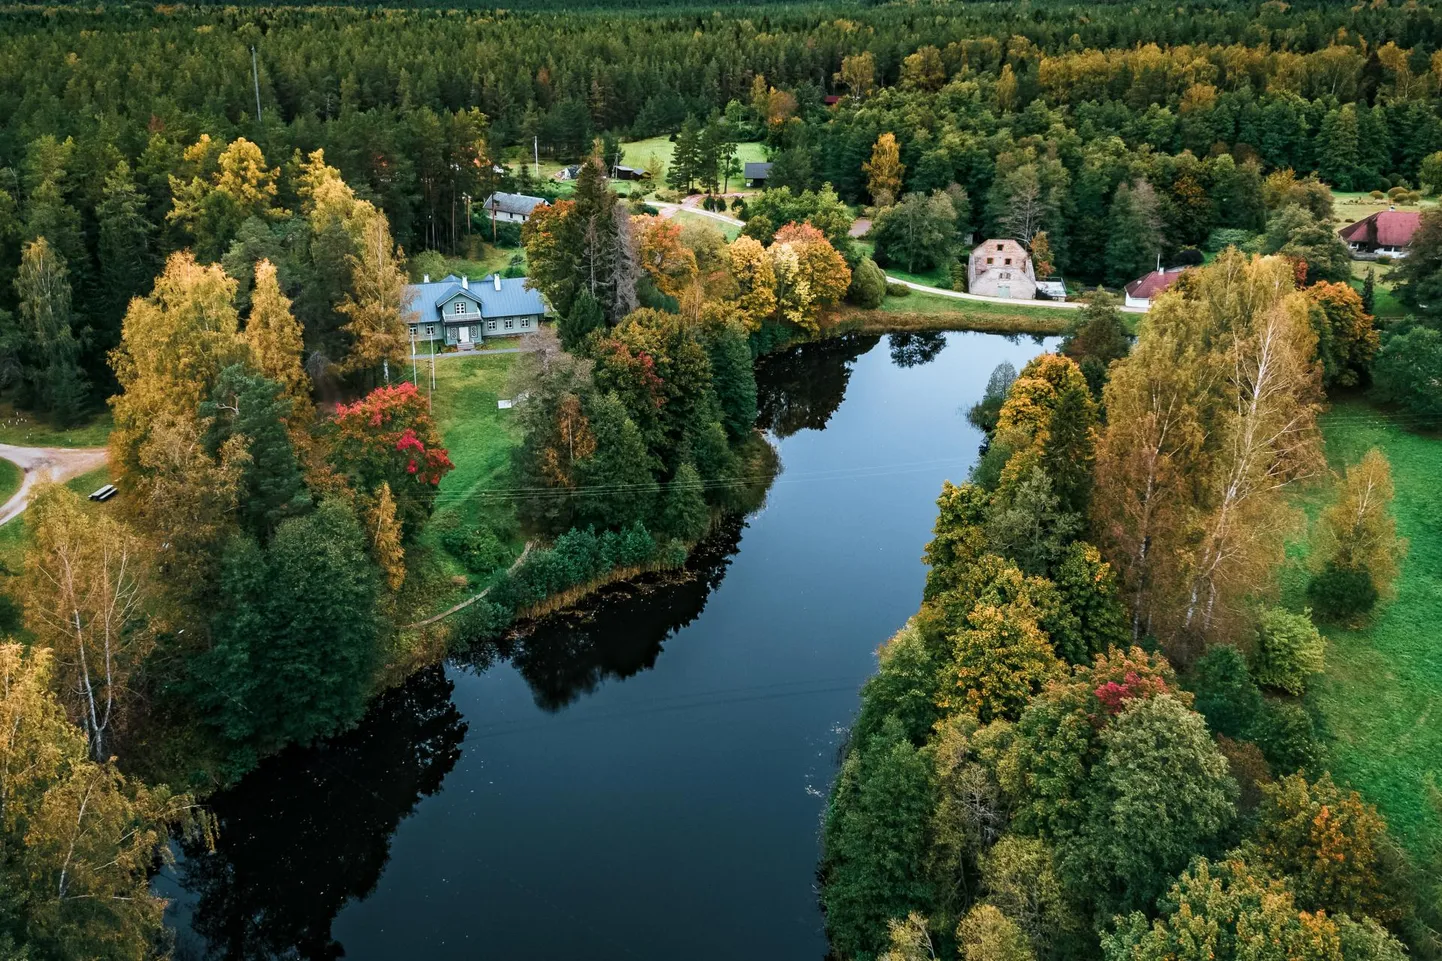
pixel 78 839
pixel 1209 422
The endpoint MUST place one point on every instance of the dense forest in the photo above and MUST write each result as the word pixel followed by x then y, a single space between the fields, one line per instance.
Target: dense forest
pixel 1090 740
pixel 208 219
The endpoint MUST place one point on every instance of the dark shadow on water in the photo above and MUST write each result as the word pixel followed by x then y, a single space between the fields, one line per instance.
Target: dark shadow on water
pixel 800 388
pixel 311 828
pixel 913 350
pixel 614 634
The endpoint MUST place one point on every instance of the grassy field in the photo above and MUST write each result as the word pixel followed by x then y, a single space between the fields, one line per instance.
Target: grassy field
pixel 478 435
pixel 27 430
pixel 1350 206
pixel 689 217
pixel 638 152
pixel 1384 302
pixel 10 477
pixel 1381 697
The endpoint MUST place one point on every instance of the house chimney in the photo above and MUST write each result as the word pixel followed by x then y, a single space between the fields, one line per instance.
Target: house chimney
pixel 497 279
pixel 425 278
pixel 465 283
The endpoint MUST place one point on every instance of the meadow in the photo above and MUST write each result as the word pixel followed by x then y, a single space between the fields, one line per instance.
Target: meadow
pixel 1380 701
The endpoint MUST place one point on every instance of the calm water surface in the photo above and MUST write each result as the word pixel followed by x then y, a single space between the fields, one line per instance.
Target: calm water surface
pixel 644 780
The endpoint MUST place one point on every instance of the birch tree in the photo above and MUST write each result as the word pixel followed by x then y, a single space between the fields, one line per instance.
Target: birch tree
pixel 86 585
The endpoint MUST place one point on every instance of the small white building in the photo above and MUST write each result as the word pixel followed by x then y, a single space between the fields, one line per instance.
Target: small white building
pixel 1142 291
pixel 511 208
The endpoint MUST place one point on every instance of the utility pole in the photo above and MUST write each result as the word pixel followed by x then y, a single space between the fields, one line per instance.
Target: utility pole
pixel 536 146
pixel 414 377
pixel 255 78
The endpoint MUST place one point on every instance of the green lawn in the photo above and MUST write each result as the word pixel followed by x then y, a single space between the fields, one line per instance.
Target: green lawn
pixel 1384 302
pixel 27 430
pixel 10 477
pixel 690 217
pixel 1381 697
pixel 478 435
pixel 1350 206
pixel 638 152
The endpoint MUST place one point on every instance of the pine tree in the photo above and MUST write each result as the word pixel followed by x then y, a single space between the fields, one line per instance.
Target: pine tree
pixel 584 316
pixel 1133 233
pixel 686 159
pixel 251 407
pixel 51 367
pixel 126 248
pixel 685 515
pixel 1369 292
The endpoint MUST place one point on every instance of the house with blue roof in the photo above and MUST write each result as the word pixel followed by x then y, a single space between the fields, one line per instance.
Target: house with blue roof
pixel 466 314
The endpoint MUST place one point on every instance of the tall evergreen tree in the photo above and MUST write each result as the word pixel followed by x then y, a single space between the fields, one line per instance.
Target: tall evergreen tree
pixel 126 250
pixel 51 367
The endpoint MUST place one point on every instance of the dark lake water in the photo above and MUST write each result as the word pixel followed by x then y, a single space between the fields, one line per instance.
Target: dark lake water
pixel 641 781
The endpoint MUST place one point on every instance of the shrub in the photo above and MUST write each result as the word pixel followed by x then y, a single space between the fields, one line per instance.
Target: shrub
pixel 1289 650
pixel 478 549
pixel 1384 260
pixel 868 285
pixel 894 289
pixel 1188 257
pixel 1407 371
pixel 1224 237
pixel 1225 693
pixel 1287 737
pixel 502 235
pixel 958 277
pixel 1377 195
pixel 479 622
pixel 1339 593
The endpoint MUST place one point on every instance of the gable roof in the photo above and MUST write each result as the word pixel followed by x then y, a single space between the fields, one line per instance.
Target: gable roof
pixel 1145 288
pixel 514 299
pixel 513 203
pixel 757 171
pixel 1385 228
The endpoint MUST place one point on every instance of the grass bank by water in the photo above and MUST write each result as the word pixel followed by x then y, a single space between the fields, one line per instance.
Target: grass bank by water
pixel 919 312
pixel 1381 697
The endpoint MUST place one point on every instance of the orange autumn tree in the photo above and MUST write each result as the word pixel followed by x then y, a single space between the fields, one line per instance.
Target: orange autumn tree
pixel 667 261
pixel 388 437
pixel 1347 338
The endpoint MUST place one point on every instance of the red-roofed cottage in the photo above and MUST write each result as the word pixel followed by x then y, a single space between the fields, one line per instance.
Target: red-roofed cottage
pixel 1387 232
pixel 1141 292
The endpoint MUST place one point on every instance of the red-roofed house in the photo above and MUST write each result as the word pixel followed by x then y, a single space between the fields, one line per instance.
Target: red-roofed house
pixel 1387 232
pixel 1141 292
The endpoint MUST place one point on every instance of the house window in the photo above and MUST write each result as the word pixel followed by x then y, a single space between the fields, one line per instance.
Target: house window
pixel 990 261
pixel 1008 261
pixel 430 330
pixel 998 246
pixel 413 330
pixel 510 324
pixel 460 307
pixel 490 325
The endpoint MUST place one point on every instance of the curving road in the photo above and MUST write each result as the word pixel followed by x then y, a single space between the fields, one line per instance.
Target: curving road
pixel 42 464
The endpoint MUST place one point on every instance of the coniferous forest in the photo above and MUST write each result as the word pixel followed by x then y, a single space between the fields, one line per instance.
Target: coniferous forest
pixel 1098 736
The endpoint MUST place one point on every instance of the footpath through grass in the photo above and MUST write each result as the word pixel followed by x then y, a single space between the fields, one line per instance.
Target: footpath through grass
pixel 1381 697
